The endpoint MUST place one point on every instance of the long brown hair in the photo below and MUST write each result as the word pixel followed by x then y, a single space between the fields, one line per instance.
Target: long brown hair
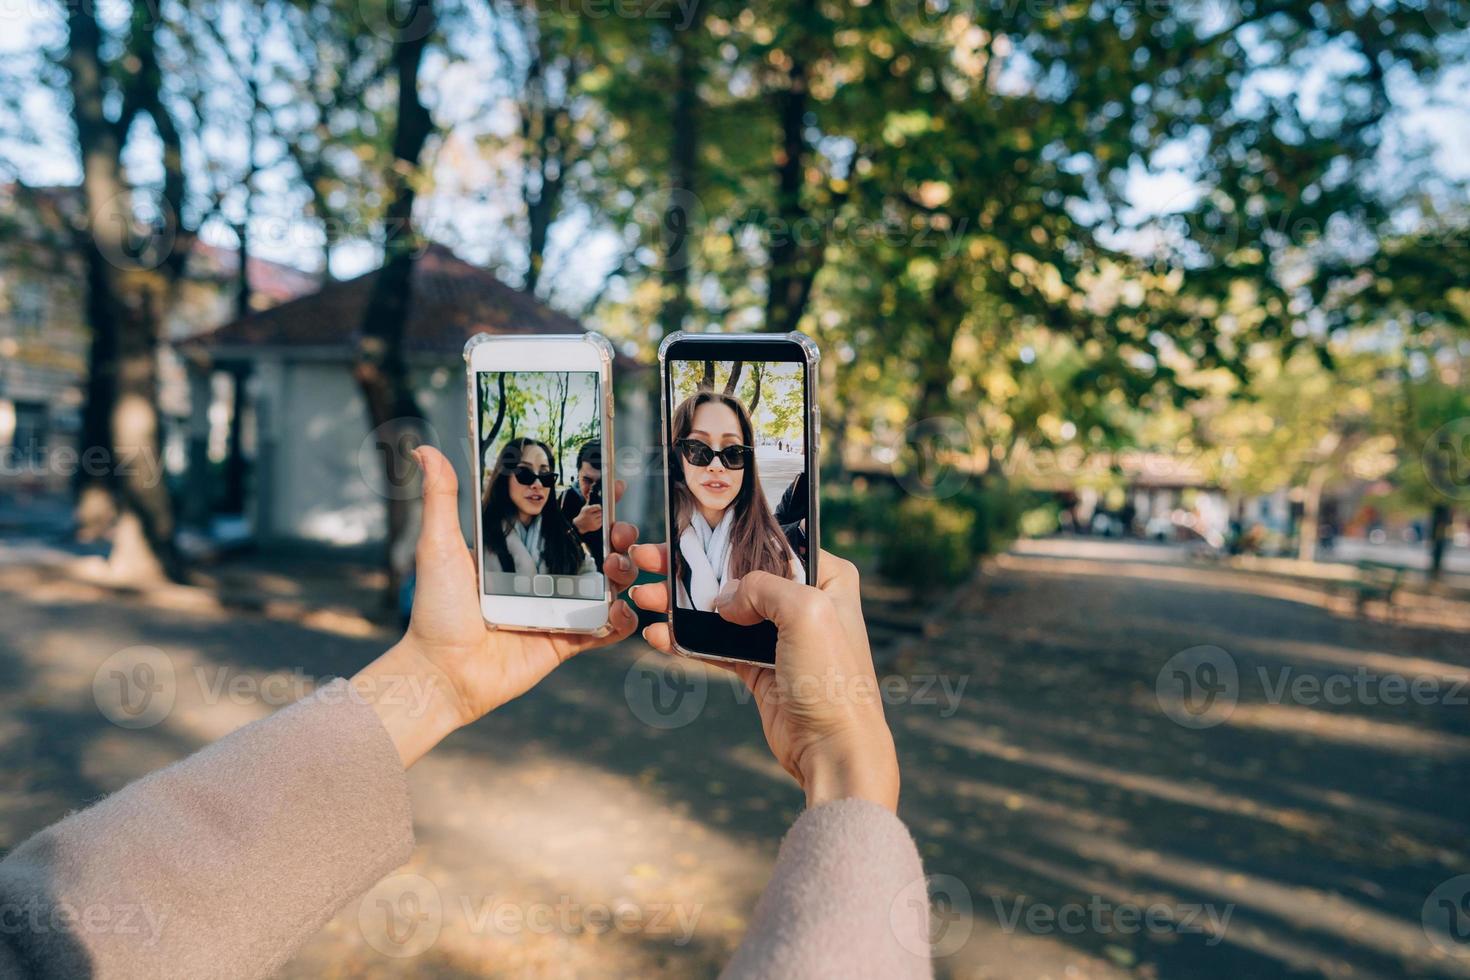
pixel 756 541
pixel 559 544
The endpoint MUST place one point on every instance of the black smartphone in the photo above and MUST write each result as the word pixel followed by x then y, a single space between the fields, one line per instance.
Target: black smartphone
pixel 740 435
pixel 595 497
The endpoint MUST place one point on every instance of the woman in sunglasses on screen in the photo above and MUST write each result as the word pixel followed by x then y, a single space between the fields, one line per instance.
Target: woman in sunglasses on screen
pixel 724 526
pixel 522 534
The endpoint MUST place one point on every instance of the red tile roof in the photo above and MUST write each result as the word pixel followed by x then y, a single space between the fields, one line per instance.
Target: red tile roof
pixel 452 301
pixel 269 281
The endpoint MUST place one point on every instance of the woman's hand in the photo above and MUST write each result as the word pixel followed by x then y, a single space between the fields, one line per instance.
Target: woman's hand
pixel 821 707
pixel 450 668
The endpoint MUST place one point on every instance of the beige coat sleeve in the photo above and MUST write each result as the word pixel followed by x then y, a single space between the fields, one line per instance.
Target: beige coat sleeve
pixel 846 899
pixel 220 865
pixel 223 864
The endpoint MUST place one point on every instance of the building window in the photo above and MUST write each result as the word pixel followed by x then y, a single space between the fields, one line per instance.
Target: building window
pixel 28 307
pixel 31 429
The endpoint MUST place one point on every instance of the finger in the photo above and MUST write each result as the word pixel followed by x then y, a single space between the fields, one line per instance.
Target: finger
pixel 440 531
pixel 618 488
pixel 657 636
pixel 830 568
pixel 749 674
pixel 619 571
pixel 651 557
pixel 653 596
pixel 838 577
pixel 793 607
pixel 623 536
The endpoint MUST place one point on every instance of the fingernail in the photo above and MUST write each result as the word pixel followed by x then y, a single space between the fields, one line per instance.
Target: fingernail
pixel 727 594
pixel 624 564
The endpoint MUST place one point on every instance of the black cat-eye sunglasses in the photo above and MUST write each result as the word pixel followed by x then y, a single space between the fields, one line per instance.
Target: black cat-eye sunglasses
pixel 700 454
pixel 526 476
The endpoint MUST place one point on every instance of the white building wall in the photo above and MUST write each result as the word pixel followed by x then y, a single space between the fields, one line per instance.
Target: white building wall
pixel 324 476
pixel 320 493
pixel 327 480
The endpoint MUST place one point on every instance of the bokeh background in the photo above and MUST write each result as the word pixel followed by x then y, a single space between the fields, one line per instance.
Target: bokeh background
pixel 1144 332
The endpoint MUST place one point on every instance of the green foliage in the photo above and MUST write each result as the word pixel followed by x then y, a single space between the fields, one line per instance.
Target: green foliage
pixel 1038 522
pixel 920 542
pixel 558 408
pixel 927 544
pixel 853 515
pixel 970 192
pixel 1060 224
pixel 774 390
pixel 996 509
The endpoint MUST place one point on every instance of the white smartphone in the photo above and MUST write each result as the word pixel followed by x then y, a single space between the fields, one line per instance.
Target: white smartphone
pixel 541 411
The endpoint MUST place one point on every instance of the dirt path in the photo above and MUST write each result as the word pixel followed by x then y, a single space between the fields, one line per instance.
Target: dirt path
pixel 621 820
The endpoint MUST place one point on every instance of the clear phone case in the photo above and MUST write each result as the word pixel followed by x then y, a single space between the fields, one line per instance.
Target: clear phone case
pixel 606 354
pixel 813 357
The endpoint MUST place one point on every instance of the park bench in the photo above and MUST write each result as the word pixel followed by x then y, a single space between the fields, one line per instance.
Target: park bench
pixel 1376 580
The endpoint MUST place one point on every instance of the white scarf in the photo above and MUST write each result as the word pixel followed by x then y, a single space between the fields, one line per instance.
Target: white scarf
pixel 706 551
pixel 523 541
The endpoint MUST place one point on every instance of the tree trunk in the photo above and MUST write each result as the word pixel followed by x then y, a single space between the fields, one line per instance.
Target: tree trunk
pixel 1306 545
pixel 233 501
pixel 935 370
pixel 124 478
pixel 381 368
pixel 487 439
pixel 101 150
pixel 96 506
pixel 1441 523
pixel 242 272
pixel 793 262
pixel 757 372
pixel 678 218
pixel 561 419
pixel 546 142
pixel 247 184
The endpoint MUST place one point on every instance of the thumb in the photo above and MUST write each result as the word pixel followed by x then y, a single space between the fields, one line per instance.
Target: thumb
pixel 441 502
pixel 791 606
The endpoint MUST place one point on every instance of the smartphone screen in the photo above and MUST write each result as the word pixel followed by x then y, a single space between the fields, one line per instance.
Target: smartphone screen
pixel 740 488
pixel 540 446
